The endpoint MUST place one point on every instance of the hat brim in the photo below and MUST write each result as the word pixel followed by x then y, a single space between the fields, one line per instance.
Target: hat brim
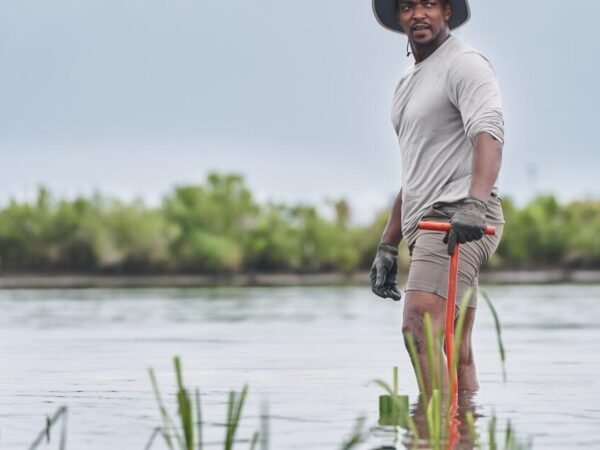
pixel 385 12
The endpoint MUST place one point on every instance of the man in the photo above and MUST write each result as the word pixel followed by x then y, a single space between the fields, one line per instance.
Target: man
pixel 448 117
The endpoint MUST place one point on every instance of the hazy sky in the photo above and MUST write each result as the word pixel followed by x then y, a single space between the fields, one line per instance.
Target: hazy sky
pixel 133 96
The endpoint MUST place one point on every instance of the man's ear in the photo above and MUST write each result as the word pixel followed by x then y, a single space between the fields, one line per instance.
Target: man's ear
pixel 447 12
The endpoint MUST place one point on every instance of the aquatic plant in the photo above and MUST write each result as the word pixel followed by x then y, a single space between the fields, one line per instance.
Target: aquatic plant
pixel 511 440
pixel 44 436
pixel 188 436
pixel 498 328
pixel 358 435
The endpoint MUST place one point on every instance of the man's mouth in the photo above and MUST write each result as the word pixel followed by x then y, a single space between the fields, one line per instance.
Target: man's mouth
pixel 420 27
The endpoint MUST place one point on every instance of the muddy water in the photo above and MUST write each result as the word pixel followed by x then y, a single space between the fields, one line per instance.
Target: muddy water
pixel 310 353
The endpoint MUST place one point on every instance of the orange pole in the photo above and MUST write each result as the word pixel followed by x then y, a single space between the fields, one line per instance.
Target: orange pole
pixel 454 436
pixel 450 308
pixel 444 226
pixel 451 301
pixel 453 425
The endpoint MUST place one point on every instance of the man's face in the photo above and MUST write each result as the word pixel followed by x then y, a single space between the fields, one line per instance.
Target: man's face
pixel 423 20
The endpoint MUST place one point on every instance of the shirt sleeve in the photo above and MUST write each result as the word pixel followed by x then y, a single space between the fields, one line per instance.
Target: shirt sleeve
pixel 473 89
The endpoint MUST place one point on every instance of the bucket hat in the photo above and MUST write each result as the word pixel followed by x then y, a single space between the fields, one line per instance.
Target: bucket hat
pixel 385 12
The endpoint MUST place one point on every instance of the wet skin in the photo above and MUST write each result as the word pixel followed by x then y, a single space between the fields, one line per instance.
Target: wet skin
pixel 425 23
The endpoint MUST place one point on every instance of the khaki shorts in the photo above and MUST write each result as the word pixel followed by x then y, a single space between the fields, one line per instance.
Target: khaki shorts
pixel 429 259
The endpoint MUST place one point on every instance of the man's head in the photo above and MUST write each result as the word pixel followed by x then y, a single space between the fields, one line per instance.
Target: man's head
pixel 424 21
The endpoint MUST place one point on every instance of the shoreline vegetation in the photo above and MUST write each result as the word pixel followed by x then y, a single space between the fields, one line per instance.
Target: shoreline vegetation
pixel 80 281
pixel 217 233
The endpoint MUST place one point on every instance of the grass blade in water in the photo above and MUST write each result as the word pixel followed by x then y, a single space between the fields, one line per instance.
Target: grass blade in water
pixel 431 347
pixel 60 413
pixel 492 433
pixel 357 437
pixel 264 426
pixel 498 333
pixel 254 440
pixel 412 349
pixel 199 415
pixel 434 420
pixel 185 407
pixel 508 436
pixel 150 442
pixel 230 402
pixel 234 412
pixel 472 429
pixel 458 329
pixel 164 414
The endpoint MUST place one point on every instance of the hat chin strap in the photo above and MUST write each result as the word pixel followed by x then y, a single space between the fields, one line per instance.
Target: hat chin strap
pixel 408 52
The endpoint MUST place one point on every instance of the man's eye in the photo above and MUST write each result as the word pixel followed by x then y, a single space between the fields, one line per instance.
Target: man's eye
pixel 428 4
pixel 405 7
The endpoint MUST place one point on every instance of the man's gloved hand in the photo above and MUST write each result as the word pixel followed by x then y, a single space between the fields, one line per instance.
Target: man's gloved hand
pixel 468 224
pixel 385 272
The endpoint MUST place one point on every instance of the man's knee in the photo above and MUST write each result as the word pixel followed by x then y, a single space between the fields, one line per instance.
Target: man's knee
pixel 418 304
pixel 412 326
pixel 413 323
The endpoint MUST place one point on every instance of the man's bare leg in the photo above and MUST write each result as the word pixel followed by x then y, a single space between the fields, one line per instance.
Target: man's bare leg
pixel 467 375
pixel 416 304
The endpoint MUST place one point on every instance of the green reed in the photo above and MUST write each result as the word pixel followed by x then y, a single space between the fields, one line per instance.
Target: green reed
pixel 357 436
pixel 234 412
pixel 498 328
pixel 393 408
pixel 472 429
pixel 435 420
pixel 188 435
pixel 511 440
pixel 168 428
pixel 459 328
pixel 44 436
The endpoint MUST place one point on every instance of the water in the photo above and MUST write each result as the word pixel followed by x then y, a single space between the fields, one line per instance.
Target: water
pixel 311 353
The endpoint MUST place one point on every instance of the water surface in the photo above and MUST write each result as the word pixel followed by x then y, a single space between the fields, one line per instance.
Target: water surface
pixel 311 353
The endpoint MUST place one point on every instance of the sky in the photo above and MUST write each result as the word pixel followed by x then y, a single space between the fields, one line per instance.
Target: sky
pixel 133 97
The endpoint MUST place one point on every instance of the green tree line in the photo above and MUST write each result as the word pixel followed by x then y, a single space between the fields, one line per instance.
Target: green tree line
pixel 219 227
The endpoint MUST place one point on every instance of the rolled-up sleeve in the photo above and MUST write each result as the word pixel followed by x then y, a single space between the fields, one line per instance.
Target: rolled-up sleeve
pixel 473 89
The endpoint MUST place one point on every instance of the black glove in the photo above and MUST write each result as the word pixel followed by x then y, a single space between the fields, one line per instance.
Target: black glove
pixel 468 224
pixel 385 271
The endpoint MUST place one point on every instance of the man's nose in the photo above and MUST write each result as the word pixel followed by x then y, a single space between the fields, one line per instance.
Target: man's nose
pixel 418 11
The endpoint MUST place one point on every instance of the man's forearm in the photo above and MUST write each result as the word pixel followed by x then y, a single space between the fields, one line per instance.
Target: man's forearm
pixel 487 158
pixel 393 230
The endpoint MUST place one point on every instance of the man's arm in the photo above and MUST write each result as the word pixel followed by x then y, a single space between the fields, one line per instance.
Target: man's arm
pixel 487 158
pixel 468 223
pixel 392 235
pixel 473 89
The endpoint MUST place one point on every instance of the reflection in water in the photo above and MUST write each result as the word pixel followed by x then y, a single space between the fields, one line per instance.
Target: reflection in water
pixel 426 428
pixel 458 436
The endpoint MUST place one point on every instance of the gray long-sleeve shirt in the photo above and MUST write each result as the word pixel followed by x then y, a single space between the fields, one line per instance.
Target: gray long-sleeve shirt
pixel 440 105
